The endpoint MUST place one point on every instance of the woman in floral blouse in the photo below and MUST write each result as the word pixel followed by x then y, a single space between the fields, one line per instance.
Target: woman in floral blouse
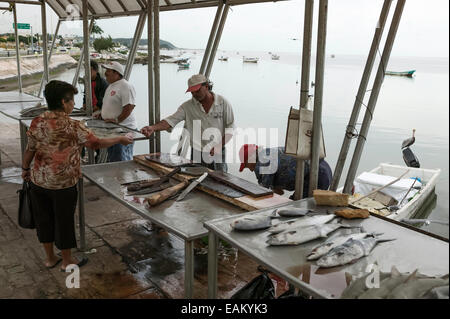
pixel 54 142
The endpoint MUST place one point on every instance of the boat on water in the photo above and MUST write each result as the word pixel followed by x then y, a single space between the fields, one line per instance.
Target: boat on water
pixel 249 60
pixel 400 200
pixel 403 73
pixel 183 66
pixel 275 56
pixel 223 58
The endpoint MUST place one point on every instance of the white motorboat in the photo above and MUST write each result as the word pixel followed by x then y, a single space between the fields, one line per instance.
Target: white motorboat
pixel 249 60
pixel 400 200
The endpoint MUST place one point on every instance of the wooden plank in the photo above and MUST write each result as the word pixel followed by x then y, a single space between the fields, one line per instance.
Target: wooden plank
pixel 246 202
pixel 241 184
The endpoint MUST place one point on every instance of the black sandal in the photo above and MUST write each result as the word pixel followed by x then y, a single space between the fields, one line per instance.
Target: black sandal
pixel 80 264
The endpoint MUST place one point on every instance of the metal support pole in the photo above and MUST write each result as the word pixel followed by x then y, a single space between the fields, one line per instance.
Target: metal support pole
pixel 188 268
pixel 212 265
pixel 374 96
pixel 87 64
pixel 318 95
pixel 211 38
pixel 360 96
pixel 217 40
pixel 81 224
pixel 80 61
pixel 151 94
pixel 156 70
pixel 49 56
pixel 135 44
pixel 304 84
pixel 45 75
pixel 19 75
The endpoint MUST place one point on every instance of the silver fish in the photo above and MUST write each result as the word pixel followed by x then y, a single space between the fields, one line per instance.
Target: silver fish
pixel 302 235
pixel 350 251
pixel 292 211
pixel 301 222
pixel 330 243
pixel 252 222
pixel 416 288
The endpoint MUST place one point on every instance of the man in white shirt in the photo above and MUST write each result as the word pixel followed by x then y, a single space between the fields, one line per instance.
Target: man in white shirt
pixel 215 115
pixel 118 104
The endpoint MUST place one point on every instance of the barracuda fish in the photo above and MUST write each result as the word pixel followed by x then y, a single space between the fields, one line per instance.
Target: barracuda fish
pixel 350 251
pixel 292 211
pixel 253 222
pixel 302 235
pixel 330 243
pixel 301 222
pixel 417 287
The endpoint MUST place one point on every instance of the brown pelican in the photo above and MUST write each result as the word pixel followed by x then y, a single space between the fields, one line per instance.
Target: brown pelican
pixel 410 141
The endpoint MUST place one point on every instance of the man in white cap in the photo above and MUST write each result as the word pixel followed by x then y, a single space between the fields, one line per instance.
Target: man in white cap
pixel 118 104
pixel 211 111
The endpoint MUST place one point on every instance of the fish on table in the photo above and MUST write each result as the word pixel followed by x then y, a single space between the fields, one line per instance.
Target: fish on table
pixel 358 286
pixel 323 248
pixel 292 211
pixel 253 222
pixel 415 288
pixel 350 251
pixel 302 234
pixel 301 222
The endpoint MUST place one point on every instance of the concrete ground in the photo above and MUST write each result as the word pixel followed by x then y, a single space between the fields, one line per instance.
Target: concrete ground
pixel 129 258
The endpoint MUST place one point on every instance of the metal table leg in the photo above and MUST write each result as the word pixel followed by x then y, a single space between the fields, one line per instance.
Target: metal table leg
pixel 81 214
pixel 188 268
pixel 212 265
pixel 23 137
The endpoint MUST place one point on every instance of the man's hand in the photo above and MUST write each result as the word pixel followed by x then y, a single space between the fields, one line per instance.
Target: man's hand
pixel 148 130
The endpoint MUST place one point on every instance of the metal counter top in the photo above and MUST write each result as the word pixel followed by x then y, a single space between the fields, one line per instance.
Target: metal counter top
pixel 12 97
pixel 184 218
pixel 410 251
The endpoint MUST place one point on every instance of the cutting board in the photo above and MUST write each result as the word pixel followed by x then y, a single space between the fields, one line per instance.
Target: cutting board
pixel 241 184
pixel 246 202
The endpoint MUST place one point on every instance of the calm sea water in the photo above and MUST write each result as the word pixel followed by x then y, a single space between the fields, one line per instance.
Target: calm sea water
pixel 261 95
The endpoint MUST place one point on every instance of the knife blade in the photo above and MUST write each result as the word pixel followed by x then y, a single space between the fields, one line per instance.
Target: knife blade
pixel 191 186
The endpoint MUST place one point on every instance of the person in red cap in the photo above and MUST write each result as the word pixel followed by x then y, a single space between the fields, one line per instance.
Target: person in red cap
pixel 276 170
pixel 208 109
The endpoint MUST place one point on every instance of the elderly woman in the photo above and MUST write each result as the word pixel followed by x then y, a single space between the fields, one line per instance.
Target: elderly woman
pixel 54 142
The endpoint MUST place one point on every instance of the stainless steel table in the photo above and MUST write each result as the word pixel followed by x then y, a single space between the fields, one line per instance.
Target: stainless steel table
pixel 184 219
pixel 12 97
pixel 410 251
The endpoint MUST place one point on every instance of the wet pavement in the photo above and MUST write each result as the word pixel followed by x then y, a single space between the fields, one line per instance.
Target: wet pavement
pixel 128 256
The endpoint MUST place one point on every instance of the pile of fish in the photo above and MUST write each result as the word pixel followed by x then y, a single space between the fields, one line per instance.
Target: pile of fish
pixel 396 285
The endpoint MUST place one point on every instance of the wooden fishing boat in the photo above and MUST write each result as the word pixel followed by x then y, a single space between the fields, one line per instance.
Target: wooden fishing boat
pixel 183 66
pixel 249 60
pixel 404 73
pixel 401 200
pixel 223 58
pixel 275 57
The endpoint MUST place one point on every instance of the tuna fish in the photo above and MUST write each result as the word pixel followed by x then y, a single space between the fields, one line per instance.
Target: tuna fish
pixel 350 251
pixel 253 222
pixel 330 243
pixel 301 222
pixel 292 211
pixel 302 235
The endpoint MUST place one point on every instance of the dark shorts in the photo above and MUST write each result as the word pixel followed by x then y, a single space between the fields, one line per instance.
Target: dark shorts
pixel 54 212
pixel 119 152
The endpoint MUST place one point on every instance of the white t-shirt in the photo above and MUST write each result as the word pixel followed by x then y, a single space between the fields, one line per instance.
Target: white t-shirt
pixel 192 110
pixel 118 95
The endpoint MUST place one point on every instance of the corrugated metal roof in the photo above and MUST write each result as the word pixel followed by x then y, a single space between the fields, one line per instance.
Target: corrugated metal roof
pixel 109 8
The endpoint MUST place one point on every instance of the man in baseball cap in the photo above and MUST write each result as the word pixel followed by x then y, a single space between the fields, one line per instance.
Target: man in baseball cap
pixel 276 170
pixel 118 105
pixel 213 112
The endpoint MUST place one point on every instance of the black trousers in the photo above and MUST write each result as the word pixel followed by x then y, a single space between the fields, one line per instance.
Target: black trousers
pixel 54 212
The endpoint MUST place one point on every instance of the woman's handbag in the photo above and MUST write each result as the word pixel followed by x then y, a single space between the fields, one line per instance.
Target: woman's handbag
pixel 26 219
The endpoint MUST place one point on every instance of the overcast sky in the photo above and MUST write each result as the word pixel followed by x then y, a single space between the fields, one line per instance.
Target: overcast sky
pixel 423 31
